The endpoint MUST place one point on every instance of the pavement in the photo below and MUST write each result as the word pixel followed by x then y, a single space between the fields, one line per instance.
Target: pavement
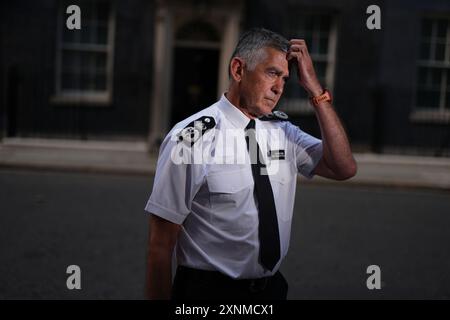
pixel 134 158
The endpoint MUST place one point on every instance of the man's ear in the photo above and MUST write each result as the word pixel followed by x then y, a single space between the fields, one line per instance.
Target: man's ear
pixel 236 68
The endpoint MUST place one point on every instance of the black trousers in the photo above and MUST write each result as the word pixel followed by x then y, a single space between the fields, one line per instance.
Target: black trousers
pixel 195 284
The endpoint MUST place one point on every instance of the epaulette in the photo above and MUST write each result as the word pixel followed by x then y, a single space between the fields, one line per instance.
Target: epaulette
pixel 196 129
pixel 275 116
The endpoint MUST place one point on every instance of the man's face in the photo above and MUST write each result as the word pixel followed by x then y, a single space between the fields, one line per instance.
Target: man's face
pixel 261 88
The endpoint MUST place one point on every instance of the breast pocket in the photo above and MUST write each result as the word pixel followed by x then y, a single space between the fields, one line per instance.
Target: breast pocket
pixel 229 181
pixel 231 199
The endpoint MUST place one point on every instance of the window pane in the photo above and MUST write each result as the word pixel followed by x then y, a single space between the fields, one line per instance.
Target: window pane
pixel 440 51
pixel 323 45
pixel 93 62
pixel 100 82
pixel 313 46
pixel 428 99
pixel 70 62
pixel 82 70
pixel 70 36
pixel 425 50
pixel 423 78
pixel 321 68
pixel 84 61
pixel 100 62
pixel 436 78
pixel 88 32
pixel 102 34
pixel 86 82
pixel 442 29
pixel 70 81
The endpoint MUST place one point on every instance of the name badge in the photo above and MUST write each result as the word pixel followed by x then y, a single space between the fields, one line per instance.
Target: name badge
pixel 276 154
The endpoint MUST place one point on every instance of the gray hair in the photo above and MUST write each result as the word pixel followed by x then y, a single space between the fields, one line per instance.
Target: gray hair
pixel 251 43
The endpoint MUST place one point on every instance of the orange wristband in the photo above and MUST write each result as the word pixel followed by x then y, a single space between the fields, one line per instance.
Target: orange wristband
pixel 325 96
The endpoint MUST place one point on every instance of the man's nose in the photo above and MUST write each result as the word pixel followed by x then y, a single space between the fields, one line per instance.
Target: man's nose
pixel 278 86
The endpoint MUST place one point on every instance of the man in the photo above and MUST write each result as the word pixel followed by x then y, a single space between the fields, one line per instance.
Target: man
pixel 230 222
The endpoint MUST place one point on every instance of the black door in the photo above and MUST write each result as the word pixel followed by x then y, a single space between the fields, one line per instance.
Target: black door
pixel 194 81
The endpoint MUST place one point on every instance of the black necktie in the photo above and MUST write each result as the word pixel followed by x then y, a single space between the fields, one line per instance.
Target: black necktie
pixel 269 236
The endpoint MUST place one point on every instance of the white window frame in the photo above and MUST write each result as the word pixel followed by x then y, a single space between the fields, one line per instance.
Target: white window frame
pixel 442 114
pixel 84 97
pixel 299 106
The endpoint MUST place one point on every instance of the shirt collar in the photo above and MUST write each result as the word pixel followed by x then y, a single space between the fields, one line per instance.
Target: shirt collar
pixel 236 116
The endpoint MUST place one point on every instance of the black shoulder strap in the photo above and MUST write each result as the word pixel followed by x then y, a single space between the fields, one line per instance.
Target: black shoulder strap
pixel 196 129
pixel 275 116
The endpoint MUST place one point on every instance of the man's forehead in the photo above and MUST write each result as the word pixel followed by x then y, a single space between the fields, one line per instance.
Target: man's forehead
pixel 276 58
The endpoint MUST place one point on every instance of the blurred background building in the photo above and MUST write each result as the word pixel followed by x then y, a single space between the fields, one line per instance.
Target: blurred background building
pixel 137 67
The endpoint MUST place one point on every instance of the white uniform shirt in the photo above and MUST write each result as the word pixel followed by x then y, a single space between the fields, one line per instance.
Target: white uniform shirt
pixel 214 200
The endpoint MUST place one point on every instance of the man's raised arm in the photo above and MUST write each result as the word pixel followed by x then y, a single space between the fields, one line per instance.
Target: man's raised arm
pixel 337 161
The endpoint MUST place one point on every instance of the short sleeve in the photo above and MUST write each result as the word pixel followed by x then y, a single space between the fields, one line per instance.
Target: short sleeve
pixel 307 150
pixel 176 183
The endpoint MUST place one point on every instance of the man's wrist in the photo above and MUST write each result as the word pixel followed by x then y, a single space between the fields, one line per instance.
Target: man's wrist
pixel 325 96
pixel 317 91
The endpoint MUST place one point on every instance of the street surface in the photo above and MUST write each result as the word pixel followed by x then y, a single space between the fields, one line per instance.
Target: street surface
pixel 50 220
